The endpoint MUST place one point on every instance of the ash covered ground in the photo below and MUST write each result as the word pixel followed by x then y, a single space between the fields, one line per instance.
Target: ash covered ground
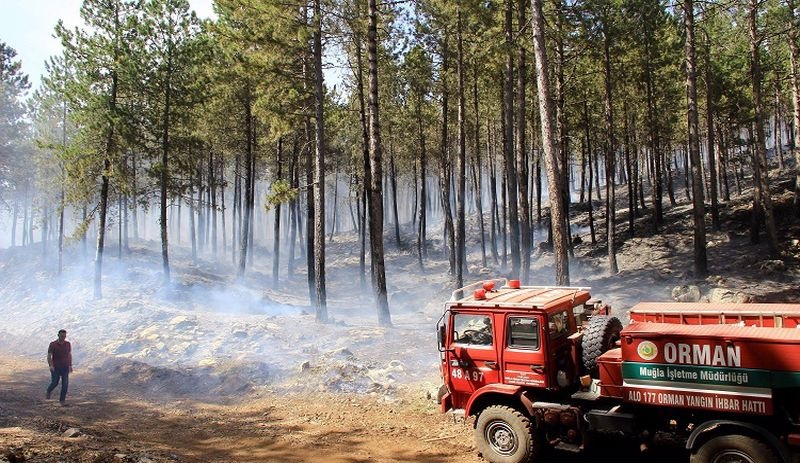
pixel 211 368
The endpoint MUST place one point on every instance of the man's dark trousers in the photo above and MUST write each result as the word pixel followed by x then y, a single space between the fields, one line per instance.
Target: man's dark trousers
pixel 57 374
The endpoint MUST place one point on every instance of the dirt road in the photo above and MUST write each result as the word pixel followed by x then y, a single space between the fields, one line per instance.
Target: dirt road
pixel 120 425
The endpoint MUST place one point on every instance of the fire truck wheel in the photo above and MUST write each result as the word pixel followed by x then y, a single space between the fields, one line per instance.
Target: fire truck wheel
pixel 504 435
pixel 601 335
pixel 735 449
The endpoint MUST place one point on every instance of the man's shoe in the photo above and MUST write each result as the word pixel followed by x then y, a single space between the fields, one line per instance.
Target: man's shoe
pixel 47 396
pixel 63 403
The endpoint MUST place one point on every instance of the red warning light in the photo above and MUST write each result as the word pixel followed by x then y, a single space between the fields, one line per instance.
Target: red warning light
pixel 513 284
pixel 480 294
pixel 488 286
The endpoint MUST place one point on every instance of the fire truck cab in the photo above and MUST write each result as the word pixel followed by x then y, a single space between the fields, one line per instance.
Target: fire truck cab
pixel 546 367
pixel 497 338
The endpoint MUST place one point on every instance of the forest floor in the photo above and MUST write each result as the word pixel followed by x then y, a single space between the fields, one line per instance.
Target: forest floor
pixel 210 369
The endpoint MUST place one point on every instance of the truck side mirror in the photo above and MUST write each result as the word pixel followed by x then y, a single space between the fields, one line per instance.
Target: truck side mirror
pixel 442 335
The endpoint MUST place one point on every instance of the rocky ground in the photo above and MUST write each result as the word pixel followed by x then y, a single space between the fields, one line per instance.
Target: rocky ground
pixel 211 369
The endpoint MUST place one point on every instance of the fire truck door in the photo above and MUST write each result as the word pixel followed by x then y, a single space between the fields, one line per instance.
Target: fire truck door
pixel 474 360
pixel 524 360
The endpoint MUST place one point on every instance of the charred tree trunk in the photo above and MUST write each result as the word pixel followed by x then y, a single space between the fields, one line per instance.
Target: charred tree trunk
pixel 610 154
pixel 461 160
pixel 393 180
pixel 630 182
pixel 653 133
pixel 320 294
pixel 237 202
pixel 294 181
pixel 794 54
pixel 422 247
pixel 712 156
pixel 165 146
pixel 244 232
pixel 550 146
pixel 362 106
pixel 700 258
pixel 521 156
pixel 508 143
pixel 192 228
pixel 376 163
pixel 276 241
pixel 761 179
pixel 444 171
pixel 104 187
pixel 493 195
pixel 477 175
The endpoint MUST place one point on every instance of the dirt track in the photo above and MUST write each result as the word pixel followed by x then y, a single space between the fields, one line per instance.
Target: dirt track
pixel 118 426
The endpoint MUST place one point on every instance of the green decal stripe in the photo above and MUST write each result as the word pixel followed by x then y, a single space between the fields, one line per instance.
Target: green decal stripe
pixel 785 379
pixel 698 374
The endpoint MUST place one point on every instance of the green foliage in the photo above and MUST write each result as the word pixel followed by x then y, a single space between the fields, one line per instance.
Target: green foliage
pixel 14 142
pixel 281 192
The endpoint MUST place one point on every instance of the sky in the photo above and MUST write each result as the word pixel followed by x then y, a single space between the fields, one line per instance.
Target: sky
pixel 27 26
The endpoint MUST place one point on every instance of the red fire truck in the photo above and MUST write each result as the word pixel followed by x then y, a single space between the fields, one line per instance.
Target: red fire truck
pixel 547 367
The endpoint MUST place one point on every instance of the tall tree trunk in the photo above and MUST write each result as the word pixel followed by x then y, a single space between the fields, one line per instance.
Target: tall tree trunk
pixel 550 147
pixel 444 170
pixel 393 180
pixel 610 153
pixel 376 164
pixel 777 141
pixel 477 175
pixel 521 155
pixel 630 182
pixel 762 178
pixel 653 132
pixel 165 168
pixel 335 205
pixel 134 196
pixel 25 216
pixel 222 204
pixel 422 248
pixel 414 194
pixel 700 258
pixel 723 161
pixel 192 228
pixel 561 117
pixel 794 54
pixel 44 230
pixel 293 178
pixel 712 156
pixel 248 184
pixel 61 199
pixel 320 294
pixel 582 196
pixel 276 241
pixel 362 106
pixel 104 186
pixel 460 160
pixel 200 209
pixel 508 143
pixel 237 205
pixel 212 189
pixel 493 195
pixel 14 220
pixel 119 226
pixel 538 181
pixel 686 179
pixel 251 199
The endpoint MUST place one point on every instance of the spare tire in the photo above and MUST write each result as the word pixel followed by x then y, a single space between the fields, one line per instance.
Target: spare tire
pixel 600 336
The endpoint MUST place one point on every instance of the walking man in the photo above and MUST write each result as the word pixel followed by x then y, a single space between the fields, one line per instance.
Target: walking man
pixel 59 357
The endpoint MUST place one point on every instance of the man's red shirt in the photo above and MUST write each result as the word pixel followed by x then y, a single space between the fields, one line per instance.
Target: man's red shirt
pixel 61 353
